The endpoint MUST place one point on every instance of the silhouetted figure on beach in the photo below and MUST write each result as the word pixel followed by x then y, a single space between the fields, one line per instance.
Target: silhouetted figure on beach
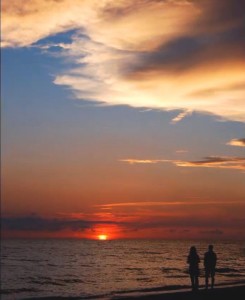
pixel 193 261
pixel 210 260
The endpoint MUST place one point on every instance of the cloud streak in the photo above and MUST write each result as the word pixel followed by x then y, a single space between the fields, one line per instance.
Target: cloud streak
pixel 180 116
pixel 219 162
pixel 166 203
pixel 185 55
pixel 237 163
pixel 133 161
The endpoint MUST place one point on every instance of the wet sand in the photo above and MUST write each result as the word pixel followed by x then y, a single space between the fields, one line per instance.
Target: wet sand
pixel 219 293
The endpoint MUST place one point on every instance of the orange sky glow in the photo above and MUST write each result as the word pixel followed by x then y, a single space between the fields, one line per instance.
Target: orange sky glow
pixel 123 119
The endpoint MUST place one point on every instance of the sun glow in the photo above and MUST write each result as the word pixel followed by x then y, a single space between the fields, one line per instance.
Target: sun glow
pixel 102 237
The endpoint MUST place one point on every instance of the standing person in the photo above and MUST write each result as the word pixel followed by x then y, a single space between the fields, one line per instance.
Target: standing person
pixel 193 261
pixel 210 259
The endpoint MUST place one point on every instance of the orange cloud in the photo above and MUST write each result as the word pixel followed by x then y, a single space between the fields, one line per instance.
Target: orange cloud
pixel 237 163
pixel 237 142
pixel 143 161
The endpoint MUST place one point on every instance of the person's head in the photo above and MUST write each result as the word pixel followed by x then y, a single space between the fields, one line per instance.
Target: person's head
pixel 193 250
pixel 210 247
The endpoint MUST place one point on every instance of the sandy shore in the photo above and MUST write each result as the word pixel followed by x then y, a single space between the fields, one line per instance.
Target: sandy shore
pixel 235 292
pixel 218 293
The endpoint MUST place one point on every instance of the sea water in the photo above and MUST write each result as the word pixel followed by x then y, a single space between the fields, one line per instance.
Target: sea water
pixel 86 268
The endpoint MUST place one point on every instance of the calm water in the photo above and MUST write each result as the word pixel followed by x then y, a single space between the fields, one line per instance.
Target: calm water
pixel 42 268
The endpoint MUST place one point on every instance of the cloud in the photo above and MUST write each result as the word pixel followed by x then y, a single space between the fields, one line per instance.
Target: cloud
pixel 237 142
pixel 237 163
pixel 220 162
pixel 181 151
pixel 166 203
pixel 212 232
pixel 173 54
pixel 188 221
pixel 34 225
pixel 38 223
pixel 180 116
pixel 145 204
pixel 133 161
pixel 24 23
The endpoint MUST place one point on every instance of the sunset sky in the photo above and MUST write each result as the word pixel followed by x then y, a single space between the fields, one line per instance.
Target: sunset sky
pixel 123 118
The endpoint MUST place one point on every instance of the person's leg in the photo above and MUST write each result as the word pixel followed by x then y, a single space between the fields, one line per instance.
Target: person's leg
pixel 197 282
pixel 206 279
pixel 212 281
pixel 192 281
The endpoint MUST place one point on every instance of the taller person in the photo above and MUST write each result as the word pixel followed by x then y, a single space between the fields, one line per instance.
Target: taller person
pixel 210 260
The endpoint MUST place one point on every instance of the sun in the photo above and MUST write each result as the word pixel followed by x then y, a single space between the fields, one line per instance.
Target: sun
pixel 102 237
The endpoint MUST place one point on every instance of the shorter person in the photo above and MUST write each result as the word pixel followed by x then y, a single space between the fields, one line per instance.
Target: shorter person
pixel 210 260
pixel 193 260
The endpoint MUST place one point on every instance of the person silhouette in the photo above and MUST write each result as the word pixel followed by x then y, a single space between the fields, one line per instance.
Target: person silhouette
pixel 210 260
pixel 193 260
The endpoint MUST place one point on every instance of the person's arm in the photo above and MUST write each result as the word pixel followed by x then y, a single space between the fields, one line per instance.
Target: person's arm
pixel 205 261
pixel 215 261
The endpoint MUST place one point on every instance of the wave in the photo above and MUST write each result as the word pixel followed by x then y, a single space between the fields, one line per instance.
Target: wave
pixel 133 269
pixel 17 291
pixel 150 252
pixel 145 279
pixel 234 275
pixel 46 282
pixel 72 280
pixel 177 276
pixel 168 270
pixel 226 270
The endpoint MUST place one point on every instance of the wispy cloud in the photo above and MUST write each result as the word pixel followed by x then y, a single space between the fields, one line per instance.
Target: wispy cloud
pixel 222 162
pixel 181 151
pixel 237 163
pixel 133 161
pixel 237 142
pixel 181 116
pixel 166 203
pixel 147 54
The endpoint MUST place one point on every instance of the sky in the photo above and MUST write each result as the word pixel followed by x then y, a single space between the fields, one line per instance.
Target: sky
pixel 123 118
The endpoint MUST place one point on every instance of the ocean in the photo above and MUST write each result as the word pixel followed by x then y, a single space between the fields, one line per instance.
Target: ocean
pixel 99 269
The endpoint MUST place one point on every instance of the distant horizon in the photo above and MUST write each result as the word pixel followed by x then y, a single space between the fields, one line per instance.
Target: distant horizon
pixel 208 240
pixel 122 239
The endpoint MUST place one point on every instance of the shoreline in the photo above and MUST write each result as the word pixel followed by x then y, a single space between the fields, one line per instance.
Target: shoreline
pixel 232 291
pixel 219 292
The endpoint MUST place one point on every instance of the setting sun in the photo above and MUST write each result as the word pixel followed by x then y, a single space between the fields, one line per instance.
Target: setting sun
pixel 102 237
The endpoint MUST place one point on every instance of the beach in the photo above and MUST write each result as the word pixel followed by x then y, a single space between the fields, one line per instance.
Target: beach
pixel 231 292
pixel 224 292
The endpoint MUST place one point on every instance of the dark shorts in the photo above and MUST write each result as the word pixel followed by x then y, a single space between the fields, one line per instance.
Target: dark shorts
pixel 194 271
pixel 209 272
